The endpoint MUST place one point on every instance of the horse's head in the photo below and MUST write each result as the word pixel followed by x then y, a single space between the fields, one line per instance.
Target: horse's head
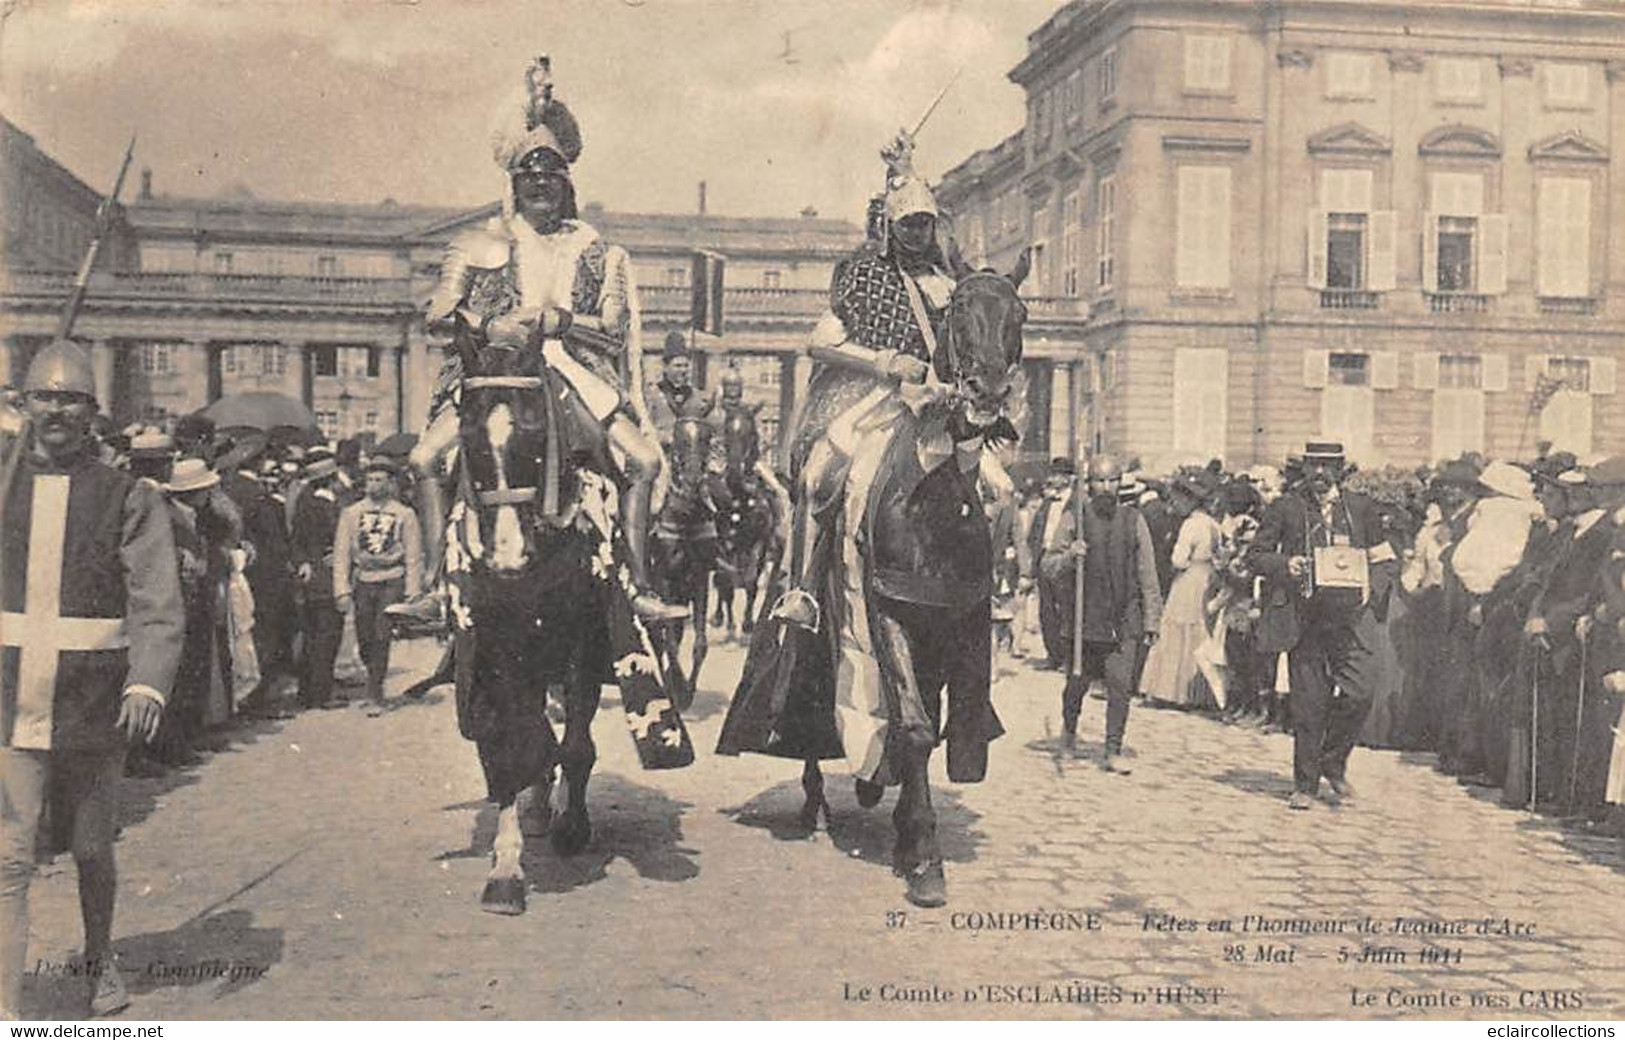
pixel 980 354
pixel 504 440
pixel 741 441
pixel 690 451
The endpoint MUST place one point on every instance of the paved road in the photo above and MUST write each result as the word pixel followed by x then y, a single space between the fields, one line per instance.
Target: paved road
pixel 329 867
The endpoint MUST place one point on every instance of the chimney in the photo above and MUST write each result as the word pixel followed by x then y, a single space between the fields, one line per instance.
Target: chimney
pixel 702 198
pixel 146 183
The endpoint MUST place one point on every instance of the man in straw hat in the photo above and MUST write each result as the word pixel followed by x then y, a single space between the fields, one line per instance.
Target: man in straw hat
pixel 315 526
pixel 540 275
pixel 1325 548
pixel 91 635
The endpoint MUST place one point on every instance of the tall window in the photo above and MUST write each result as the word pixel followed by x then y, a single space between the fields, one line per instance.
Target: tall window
pixel 1207 62
pixel 1106 233
pixel 1072 98
pixel 1568 84
pixel 1108 74
pixel 325 358
pixel 1041 251
pixel 222 263
pixel 273 359
pixel 370 422
pixel 1458 405
pixel 1041 109
pixel 1071 244
pixel 1351 245
pixel 1459 79
pixel 1348 75
pixel 1563 266
pixel 1568 384
pixel 1464 248
pixel 327 267
pixel 374 362
pixel 1202 248
pixel 772 279
pixel 155 360
pixel 676 277
pixel 1201 385
pixel 328 422
pixel 1348 405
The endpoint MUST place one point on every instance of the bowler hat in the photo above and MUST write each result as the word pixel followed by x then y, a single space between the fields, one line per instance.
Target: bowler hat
pixel 191 475
pixel 381 464
pixel 1061 466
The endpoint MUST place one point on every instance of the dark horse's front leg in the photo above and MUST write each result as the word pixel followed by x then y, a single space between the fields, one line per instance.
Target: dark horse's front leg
pixel 917 857
pixel 581 697
pixel 812 785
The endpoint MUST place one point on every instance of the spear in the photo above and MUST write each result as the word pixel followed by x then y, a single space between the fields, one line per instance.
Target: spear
pixel 104 223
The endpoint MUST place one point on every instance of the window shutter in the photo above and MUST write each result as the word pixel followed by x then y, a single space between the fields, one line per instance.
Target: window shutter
pixel 1319 230
pixel 1189 223
pixel 1430 253
pixel 1492 254
pixel 1384 370
pixel 1425 370
pixel 1603 373
pixel 1217 240
pixel 1495 372
pixel 1534 366
pixel 1383 249
pixel 1316 365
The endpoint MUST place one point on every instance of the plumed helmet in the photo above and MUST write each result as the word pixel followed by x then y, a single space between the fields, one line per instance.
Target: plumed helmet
pixel 906 191
pixel 733 382
pixel 1105 467
pixel 536 133
pixel 64 368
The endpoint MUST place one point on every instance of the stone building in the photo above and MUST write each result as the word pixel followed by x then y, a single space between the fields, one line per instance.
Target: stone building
pixel 1386 223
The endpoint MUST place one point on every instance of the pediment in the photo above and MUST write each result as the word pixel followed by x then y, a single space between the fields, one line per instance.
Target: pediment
pixel 1568 146
pixel 1461 141
pixel 1349 139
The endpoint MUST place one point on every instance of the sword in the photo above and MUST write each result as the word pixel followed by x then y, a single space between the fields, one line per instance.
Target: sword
pixel 932 107
pixel 1534 734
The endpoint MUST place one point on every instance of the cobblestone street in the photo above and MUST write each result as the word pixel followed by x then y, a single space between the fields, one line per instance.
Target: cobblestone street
pixel 329 866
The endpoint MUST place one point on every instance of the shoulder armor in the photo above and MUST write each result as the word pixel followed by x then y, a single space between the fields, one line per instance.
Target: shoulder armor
pixel 483 247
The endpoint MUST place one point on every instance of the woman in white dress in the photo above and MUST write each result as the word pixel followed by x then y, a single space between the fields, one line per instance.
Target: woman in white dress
pixel 1171 673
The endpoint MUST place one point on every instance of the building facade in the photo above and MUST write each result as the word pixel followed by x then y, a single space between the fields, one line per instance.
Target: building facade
pixel 1395 225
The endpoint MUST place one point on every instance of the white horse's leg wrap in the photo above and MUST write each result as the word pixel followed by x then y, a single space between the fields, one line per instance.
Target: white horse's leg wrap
pixel 508 844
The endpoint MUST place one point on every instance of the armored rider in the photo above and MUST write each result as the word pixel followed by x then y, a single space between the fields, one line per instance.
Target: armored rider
pixel 540 272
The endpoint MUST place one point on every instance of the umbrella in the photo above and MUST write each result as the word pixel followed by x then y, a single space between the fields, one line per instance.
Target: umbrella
pixel 397 444
pixel 261 410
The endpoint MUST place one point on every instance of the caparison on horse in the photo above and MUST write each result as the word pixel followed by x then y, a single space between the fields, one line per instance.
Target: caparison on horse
pixel 539 613
pixel 926 589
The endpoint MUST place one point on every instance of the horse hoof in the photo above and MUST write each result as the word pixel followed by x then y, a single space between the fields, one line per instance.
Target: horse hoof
pixel 570 837
pixel 810 813
pixel 927 885
pixel 869 794
pixel 536 822
pixel 504 896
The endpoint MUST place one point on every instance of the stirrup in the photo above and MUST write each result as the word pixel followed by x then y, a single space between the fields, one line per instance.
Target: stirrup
pixel 650 607
pixel 800 608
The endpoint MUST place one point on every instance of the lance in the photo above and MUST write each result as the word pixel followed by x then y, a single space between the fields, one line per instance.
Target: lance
pixel 1534 734
pixel 1076 685
pixel 104 223
pixel 932 107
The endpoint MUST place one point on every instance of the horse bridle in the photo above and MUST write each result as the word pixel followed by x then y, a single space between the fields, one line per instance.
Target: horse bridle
pixel 505 496
pixel 950 348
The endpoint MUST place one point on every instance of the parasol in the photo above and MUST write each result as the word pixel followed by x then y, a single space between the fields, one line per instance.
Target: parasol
pixel 261 410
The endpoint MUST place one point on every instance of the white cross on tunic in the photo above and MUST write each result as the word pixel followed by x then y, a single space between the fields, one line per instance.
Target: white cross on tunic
pixel 40 634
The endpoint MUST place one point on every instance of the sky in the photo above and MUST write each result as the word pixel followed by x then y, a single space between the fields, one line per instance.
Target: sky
pixel 776 104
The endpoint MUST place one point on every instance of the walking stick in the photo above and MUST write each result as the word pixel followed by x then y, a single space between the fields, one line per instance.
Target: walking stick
pixel 1579 721
pixel 1075 689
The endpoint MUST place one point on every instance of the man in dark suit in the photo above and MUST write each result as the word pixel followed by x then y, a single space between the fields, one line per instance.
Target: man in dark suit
pixel 1122 604
pixel 269 573
pixel 1327 547
pixel 1052 530
pixel 315 523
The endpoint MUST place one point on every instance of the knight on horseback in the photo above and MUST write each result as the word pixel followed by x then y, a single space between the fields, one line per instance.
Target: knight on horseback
pixel 887 303
pixel 539 272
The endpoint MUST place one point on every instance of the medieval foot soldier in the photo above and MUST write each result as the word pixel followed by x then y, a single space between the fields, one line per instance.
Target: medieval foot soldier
pixel 90 652
pixel 1328 547
pixel 1122 604
pixel 538 276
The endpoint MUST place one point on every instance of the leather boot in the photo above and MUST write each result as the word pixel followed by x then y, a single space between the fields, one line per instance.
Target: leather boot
pixel 635 527
pixel 799 604
pixel 429 606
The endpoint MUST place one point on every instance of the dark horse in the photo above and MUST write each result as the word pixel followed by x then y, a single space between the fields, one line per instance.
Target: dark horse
pixel 522 564
pixel 685 552
pixel 748 523
pixel 926 592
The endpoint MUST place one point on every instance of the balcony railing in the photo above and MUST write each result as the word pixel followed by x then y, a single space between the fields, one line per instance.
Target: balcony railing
pixel 672 299
pixel 163 285
pixel 1583 305
pixel 1458 303
pixel 1348 300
